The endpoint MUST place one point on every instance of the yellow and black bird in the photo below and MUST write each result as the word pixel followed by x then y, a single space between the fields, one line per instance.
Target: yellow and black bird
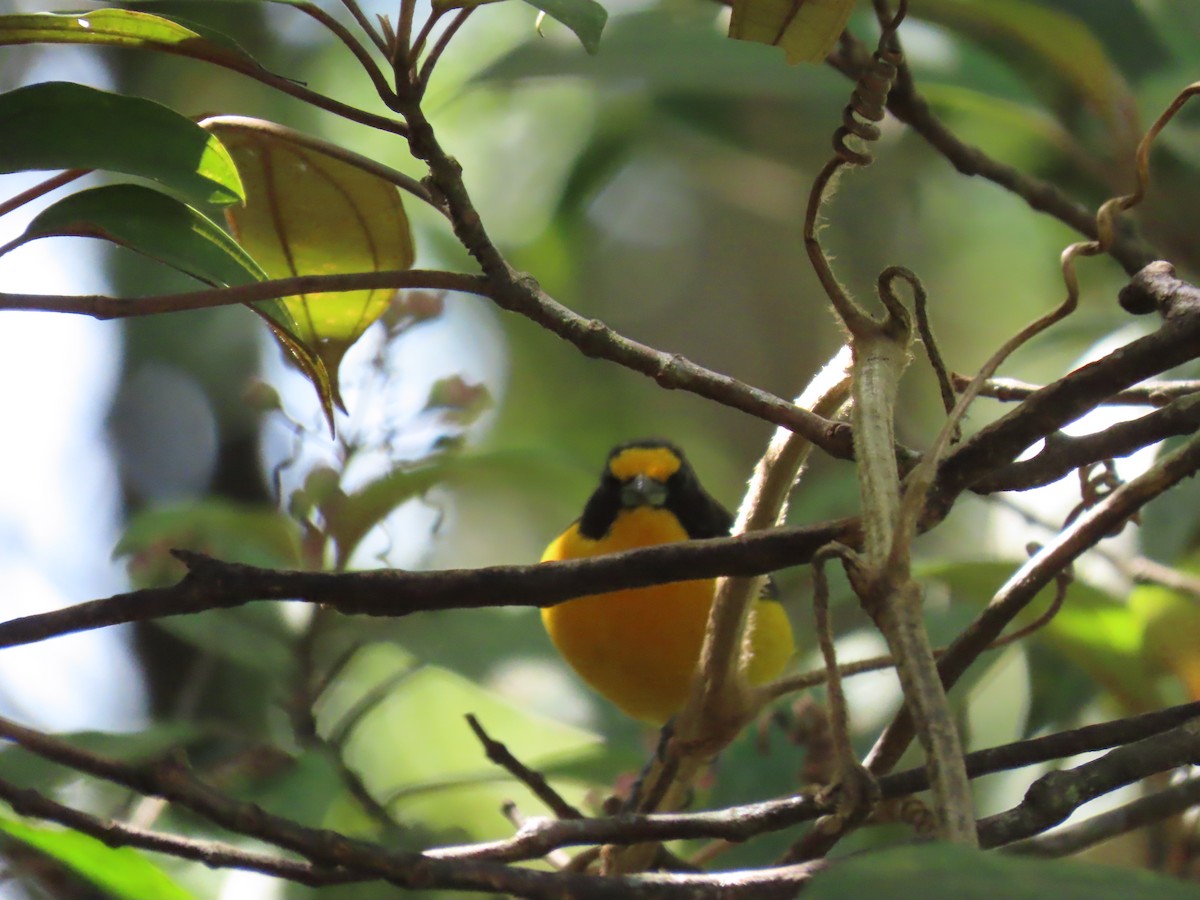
pixel 639 647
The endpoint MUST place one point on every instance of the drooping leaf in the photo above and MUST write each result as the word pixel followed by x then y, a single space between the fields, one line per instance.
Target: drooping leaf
pixel 119 871
pixel 805 29
pixel 153 224
pixel 124 28
pixel 308 213
pixel 584 17
pixel 162 228
pixel 59 125
pixel 947 870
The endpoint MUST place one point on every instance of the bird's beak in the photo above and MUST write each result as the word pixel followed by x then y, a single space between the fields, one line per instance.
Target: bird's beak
pixel 643 491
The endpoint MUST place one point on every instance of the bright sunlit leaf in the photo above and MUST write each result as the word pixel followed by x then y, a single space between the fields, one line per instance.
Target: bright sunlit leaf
pixel 1171 639
pixel 123 28
pixel 59 125
pixel 308 213
pixel 1096 633
pixel 443 780
pixel 119 871
pixel 805 29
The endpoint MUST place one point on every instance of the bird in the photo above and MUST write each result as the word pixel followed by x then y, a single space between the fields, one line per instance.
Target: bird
pixel 639 647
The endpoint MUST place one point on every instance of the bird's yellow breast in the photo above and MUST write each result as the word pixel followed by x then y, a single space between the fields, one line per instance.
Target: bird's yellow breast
pixel 639 647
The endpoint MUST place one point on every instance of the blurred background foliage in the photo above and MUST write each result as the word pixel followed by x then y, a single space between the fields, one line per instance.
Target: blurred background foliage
pixel 658 185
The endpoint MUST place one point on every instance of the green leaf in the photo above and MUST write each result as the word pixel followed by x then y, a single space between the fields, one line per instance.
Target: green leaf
pixel 584 17
pixel 162 228
pixel 805 29
pixel 123 28
pixel 255 535
pixel 254 637
pixel 348 517
pixel 59 125
pixel 457 400
pixel 119 871
pixel 309 213
pixel 1093 631
pixel 153 224
pixel 23 767
pixel 1171 632
pixel 443 780
pixel 1055 52
pixel 946 870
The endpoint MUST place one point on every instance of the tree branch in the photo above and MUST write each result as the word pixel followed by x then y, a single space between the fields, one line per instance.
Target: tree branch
pixel 1063 454
pixel 911 108
pixel 1102 827
pixel 213 854
pixel 1054 796
pixel 1081 535
pixel 1000 442
pixel 520 293
pixel 101 306
pixel 213 584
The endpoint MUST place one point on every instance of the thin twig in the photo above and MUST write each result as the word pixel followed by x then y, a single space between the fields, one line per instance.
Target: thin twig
pixel 1054 796
pixel 102 306
pixel 499 754
pixel 41 189
pixel 213 584
pixel 443 42
pixel 806 680
pixel 214 854
pixel 365 24
pixel 1150 393
pixel 418 44
pixel 1020 589
pixel 521 294
pixel 378 79
pixel 911 108
pixel 929 342
pixel 1149 571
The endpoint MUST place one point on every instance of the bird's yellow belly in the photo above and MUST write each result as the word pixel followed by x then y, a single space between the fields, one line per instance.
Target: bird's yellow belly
pixel 638 648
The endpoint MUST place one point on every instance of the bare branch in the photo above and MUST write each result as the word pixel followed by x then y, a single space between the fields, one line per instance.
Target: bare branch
pixel 212 584
pixel 213 854
pixel 1110 824
pixel 1054 796
pixel 100 306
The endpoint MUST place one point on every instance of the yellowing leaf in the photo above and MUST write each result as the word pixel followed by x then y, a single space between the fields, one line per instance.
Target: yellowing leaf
pixel 308 213
pixel 805 29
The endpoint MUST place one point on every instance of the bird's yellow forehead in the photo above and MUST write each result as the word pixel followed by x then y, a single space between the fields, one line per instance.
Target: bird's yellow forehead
pixel 660 463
